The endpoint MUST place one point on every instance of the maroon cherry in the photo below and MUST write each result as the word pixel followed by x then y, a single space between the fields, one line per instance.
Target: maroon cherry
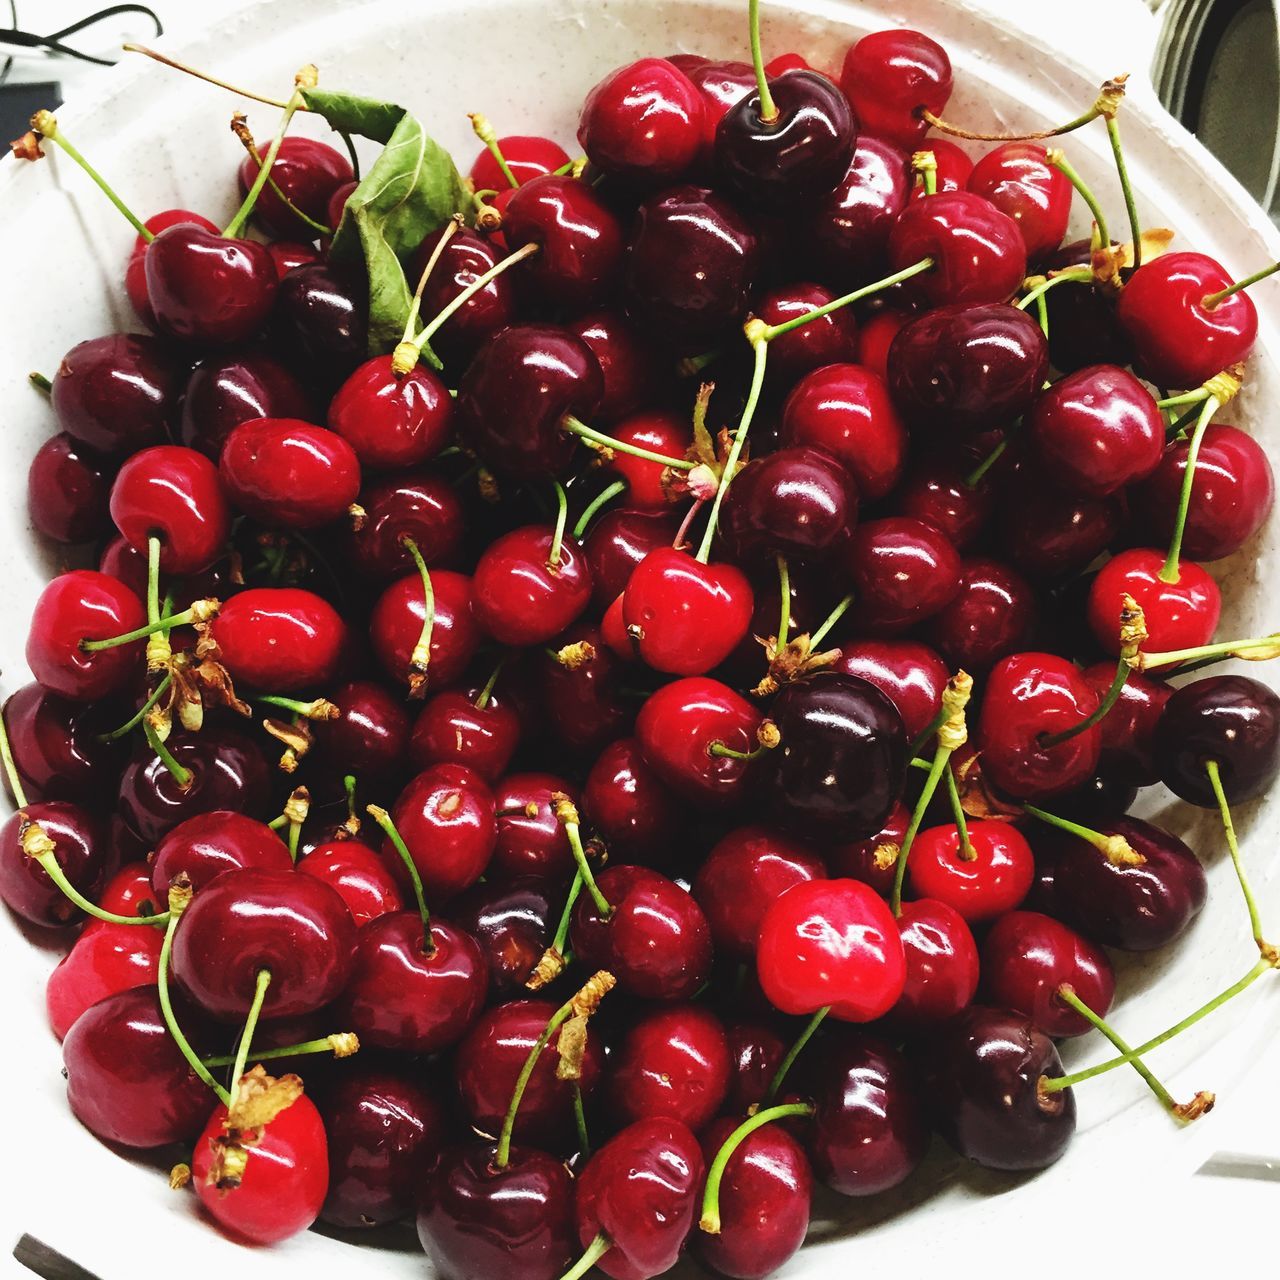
pixel 320 322
pixel 79 848
pixel 358 875
pixel 392 419
pixel 67 492
pixel 830 339
pixel 902 572
pixel 105 959
pixel 992 616
pixel 892 77
pixel 995 879
pixel 57 745
pixel 452 729
pixel 756 1051
pixel 370 736
pixel 1129 729
pixel 512 922
pixel 529 586
pixel 910 674
pixel 288 254
pixel 279 638
pixel 582 699
pixel 1018 180
pixel 942 963
pixel 721 84
pixel 635 814
pixel 395 626
pixel 1049 533
pixel 421 506
pixel 868 860
pixel 210 844
pixel 630 367
pixel 937 492
pixel 618 541
pixel 531 839
pixel 307 173
pixel 135 274
pixel 1182 614
pixel 226 390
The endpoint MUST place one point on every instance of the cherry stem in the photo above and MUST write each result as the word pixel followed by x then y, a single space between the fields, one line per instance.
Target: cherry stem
pixel 604 497
pixel 832 618
pixel 234 227
pixel 718 749
pixel 180 773
pixel 769 332
pixel 1229 828
pixel 967 851
pixel 1114 848
pixel 316 709
pixel 784 1067
pixel 342 1044
pixel 482 699
pixel 936 770
pixel 925 163
pixel 420 658
pixel 580 1122
pixel 45 123
pixel 567 814
pixel 1213 299
pixel 40 382
pixel 383 819
pixel 562 518
pixel 556 1021
pixel 974 478
pixel 197 613
pixel 480 282
pixel 1170 571
pixel 153 579
pixel 926 735
pixel 1060 162
pixel 944 126
pixel 1198 396
pixel 261 983
pixel 710 1221
pixel 601 441
pixel 559 942
pixel 205 76
pixel 1179 426
pixel 768 108
pixel 595 1251
pixel 679 541
pixel 1072 275
pixel 349 787
pixel 1103 708
pixel 48 860
pixel 241 130
pixel 415 305
pixel 1126 188
pixel 488 135
pixel 784 597
pixel 760 347
pixel 1256 649
pixel 10 768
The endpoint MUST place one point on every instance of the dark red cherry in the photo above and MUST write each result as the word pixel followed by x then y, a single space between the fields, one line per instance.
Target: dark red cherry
pixel 520 596
pixel 841 763
pixel 1179 615
pixel 385 1133
pixel 279 638
pixel 57 746
pixel 1027 957
pixel 756 1051
pixel 1231 498
pixel 420 505
pixel 902 571
pixel 1049 533
pixel 320 321
pixel 245 921
pixel 76 606
pixel 690 267
pixel 392 420
pixel 686 617
pixel 1097 430
pixel 992 616
pixel 135 275
pixel 891 77
pixel 962 369
pixel 307 172
pixel 207 289
pixel 655 941
pixel 126 1080
pixel 764 1202
pixel 358 875
pixel 630 368
pixel 288 254
pixel 67 492
pixel 981 1076
pixel 117 394
pixel 1129 729
pixel 663 432
pixel 512 922
pixel 1179 340
pixel 174 494
pixel 1018 180
pixel 872 860
pixel 531 839
pixel 395 626
pixel 582 698
pixel 996 880
pixel 403 997
pixel 626 803
pixel 1230 719
pixel 226 390
pixel 869 1129
pixel 640 1192
pixel 798 155
pixel 618 541
pixel 80 849
pixel 370 736
pixel 451 729
pixel 121 560
pixel 830 339
pixel 105 959
pixel 942 962
pixel 518 390
pixel 478 1219
pixel 937 492
pixel 742 877
pixel 210 844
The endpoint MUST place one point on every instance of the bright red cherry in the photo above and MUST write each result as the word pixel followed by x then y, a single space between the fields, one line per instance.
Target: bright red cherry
pixel 626 803
pixel 661 431
pixel 531 839
pixel 991 616
pixel 392 420
pixel 308 173
pixel 722 85
pixel 358 875
pixel 522 596
pixel 1018 179
pixel 876 336
pixel 1179 615
pixel 891 77
pixel 618 541
pixel 209 844
pixel 129 892
pixel 395 626
pixel 527 156
pixel 902 572
pixel 228 388
pixel 451 729
pixel 280 638
pixel 831 942
pixel 942 962
pixel 952 169
pixel 106 958
pixel 996 880
pixel 1129 729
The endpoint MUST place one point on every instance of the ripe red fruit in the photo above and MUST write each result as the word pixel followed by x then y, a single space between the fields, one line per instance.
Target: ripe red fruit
pixel 280 638
pixel 105 959
pixel 890 77
pixel 995 881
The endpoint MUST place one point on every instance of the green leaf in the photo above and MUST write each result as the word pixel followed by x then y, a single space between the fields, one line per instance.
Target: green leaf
pixel 411 190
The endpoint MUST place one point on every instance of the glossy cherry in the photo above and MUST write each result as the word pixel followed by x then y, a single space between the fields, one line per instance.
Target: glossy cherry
pixel 910 674
pixel 942 962
pixel 951 172
pixel 392 420
pixel 618 541
pixel 936 491
pixel 105 959
pixel 358 875
pixel 512 921
pixel 829 339
pixel 582 699
pixel 902 571
pixel 1179 615
pixel 1018 180
pixel 992 616
pixel 279 638
pixel 370 736
pixel 451 729
pixel 865 859
pixel 661 431
pixel 135 274
pixel 128 892
pixel 419 505
pixel 1129 729
pixel 981 888
pixel 80 849
pixel 635 813
pixel 520 595
pixel 206 846
pixel 225 390
pixel 395 626
pixel 891 77
pixel 57 747
pixel 308 172
pixel 320 322
pixel 628 363
pixel 1049 533
pixel 531 839
pixel 67 492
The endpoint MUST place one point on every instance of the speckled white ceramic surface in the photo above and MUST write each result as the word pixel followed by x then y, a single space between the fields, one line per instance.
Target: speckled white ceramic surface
pixel 164 140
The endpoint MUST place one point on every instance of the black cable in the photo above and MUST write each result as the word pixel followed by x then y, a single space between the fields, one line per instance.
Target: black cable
pixel 8 62
pixel 55 42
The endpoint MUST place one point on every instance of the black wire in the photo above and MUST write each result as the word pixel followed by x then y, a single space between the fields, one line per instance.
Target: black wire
pixel 55 42
pixel 8 62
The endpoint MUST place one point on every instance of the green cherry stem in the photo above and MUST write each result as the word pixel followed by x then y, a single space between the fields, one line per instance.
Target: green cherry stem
pixel 16 789
pixel 768 108
pixel 1198 396
pixel 1072 275
pixel 552 962
pixel 595 1251
pixel 1229 830
pixel 1222 295
pixel 1060 161
pixel 316 709
pixel 1170 571
pixel 420 658
pixel 1178 426
pixel 831 619
pixel 154 548
pixel 710 1221
pixel 407 360
pixel 489 136
pixel 599 440
pixel 482 698
pixel 1126 188
pixel 567 815
pixel 261 983
pixel 975 477
pixel 784 1067
pixel 562 518
pixel 201 611
pixel 40 382
pixel 769 332
pixel 1116 849
pixel 602 499
pixel 784 596
pixel 967 851
pixel 383 819
pixel 1255 649
pixel 180 773
pixel 342 1044
pixel 241 129
pixel 236 225
pixel 580 1122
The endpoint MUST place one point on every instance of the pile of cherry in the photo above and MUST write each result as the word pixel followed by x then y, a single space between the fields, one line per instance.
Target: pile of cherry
pixel 604 703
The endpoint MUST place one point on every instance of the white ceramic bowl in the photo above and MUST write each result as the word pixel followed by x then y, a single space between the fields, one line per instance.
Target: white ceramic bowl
pixel 164 141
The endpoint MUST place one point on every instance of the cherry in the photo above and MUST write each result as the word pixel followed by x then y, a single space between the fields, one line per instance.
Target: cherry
pixel 531 839
pixel 1027 957
pixel 451 729
pixel 635 814
pixel 1133 907
pixel 477 1218
pixel 995 880
pixel 57 745
pixel 358 875
pixel 629 366
pixel 370 736
pixel 966 368
pixel 308 173
pixel 279 638
pixel 1049 533
pixel 207 289
pixel 227 389
pixel 320 322
pixel 756 1052
pixel 847 231
pixel 685 616
pixel 663 432
pixel 637 1196
pixel 1129 729
pixel 1018 180
pixel 67 492
pixel 902 571
pixel 404 997
pixel 942 962
pixel 1179 615
pixel 1233 721
pixel 126 1080
pixel 655 941
pixel 690 267
pixel 527 156
pixel 391 419
pixel 722 85
pixel 395 626
pixel 1180 338
pixel 421 506
pixel 1028 697
pixel 584 706
pixel 764 1202
pixel 580 240
pixel 977 251
pixel 105 959
pixel 288 254
pixel 743 875
pixel 842 759
pixel 937 492
pixel 128 892
pixel 981 1075
pixel 861 859
pixel 285 1178
pixel 79 839
pixel 211 844
pixel 78 606
pixel 135 275
pixel 796 151
pixel 829 339
pixel 643 121
pixel 512 923
pixel 529 586
pixel 678 725
pixel 1232 496
pixel 869 1128
pixel 796 502
pixel 385 1134
pixel 117 394
pixel 228 771
pixel 992 616
pixel 518 390
pixel 831 942
pixel 618 541
pixel 952 168
pixel 876 336
pixel 891 77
